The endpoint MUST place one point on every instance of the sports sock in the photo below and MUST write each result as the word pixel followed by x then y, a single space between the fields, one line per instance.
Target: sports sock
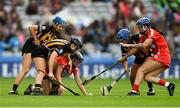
pixel 135 88
pixel 163 83
pixel 166 84
pixel 150 85
pixel 38 85
pixel 15 86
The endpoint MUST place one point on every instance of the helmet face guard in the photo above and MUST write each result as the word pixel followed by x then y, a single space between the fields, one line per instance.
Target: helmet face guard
pixel 142 28
pixel 76 42
pixel 77 57
pixel 143 24
pixel 59 24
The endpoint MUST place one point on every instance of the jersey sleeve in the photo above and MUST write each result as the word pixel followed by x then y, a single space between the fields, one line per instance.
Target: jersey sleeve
pixel 42 28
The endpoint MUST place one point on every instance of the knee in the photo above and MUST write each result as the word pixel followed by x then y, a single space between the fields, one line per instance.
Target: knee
pixel 141 70
pixel 147 78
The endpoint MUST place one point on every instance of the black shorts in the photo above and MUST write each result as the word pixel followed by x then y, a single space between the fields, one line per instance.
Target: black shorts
pixel 139 60
pixel 28 47
pixel 40 52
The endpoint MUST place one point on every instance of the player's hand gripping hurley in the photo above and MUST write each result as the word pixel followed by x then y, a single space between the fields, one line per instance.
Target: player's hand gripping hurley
pixel 74 93
pixel 106 89
pixel 92 78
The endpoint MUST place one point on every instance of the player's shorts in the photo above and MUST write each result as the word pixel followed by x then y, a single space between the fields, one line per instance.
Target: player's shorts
pixel 139 60
pixel 40 52
pixel 61 60
pixel 28 47
pixel 164 59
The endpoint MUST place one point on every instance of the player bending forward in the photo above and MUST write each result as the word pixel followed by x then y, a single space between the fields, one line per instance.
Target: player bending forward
pixel 61 66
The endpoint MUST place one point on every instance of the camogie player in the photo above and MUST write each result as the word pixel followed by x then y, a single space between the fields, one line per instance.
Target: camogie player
pixel 44 55
pixel 62 63
pixel 125 36
pixel 159 60
pixel 61 67
pixel 39 35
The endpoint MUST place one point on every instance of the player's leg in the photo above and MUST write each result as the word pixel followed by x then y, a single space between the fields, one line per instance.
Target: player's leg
pixel 26 64
pixel 40 64
pixel 57 75
pixel 146 67
pixel 153 77
pixel 151 91
pixel 134 69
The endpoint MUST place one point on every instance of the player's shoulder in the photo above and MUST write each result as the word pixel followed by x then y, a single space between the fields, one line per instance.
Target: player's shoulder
pixel 61 41
pixel 45 27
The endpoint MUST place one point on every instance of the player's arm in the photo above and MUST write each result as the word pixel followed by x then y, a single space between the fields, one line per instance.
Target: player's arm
pixel 130 53
pixel 79 83
pixel 69 62
pixel 51 62
pixel 58 77
pixel 126 65
pixel 147 43
pixel 34 30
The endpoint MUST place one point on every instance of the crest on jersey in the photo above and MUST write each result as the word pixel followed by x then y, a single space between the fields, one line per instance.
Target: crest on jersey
pixel 60 51
pixel 43 27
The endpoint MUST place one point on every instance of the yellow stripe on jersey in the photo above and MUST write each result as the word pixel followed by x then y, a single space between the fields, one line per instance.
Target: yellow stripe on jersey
pixel 56 42
pixel 47 36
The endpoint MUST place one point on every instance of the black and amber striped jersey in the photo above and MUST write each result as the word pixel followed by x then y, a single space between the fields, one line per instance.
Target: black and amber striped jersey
pixel 45 33
pixel 58 45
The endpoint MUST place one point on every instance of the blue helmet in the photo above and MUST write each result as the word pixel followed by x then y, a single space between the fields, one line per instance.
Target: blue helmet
pixel 123 34
pixel 143 21
pixel 59 20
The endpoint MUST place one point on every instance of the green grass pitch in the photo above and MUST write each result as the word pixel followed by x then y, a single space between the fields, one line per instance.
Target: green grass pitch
pixel 116 98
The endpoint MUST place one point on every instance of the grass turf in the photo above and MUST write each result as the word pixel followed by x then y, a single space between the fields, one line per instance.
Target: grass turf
pixel 116 98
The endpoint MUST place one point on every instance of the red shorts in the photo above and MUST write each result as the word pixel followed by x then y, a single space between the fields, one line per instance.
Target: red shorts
pixel 61 61
pixel 165 60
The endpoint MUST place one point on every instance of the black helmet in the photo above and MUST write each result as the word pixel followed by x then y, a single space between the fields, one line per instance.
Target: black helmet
pixel 78 56
pixel 76 41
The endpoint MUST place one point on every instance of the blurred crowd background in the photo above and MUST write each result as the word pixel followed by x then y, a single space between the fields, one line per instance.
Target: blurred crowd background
pixel 95 22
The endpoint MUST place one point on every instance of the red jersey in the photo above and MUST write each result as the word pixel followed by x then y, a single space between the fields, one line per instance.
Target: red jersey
pixel 63 61
pixel 159 47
